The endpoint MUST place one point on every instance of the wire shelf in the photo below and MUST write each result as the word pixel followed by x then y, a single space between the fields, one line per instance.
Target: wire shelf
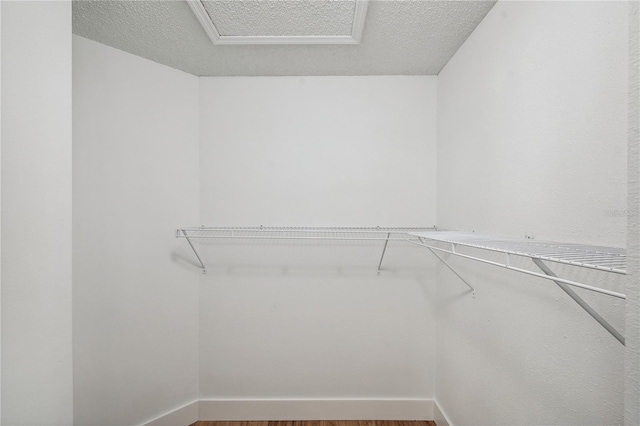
pixel 608 259
pixel 302 233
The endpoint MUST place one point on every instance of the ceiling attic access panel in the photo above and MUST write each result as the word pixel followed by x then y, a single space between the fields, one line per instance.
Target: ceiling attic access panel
pixel 281 22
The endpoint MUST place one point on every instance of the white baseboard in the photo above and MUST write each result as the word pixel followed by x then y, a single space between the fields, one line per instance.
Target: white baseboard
pixel 299 409
pixel 317 409
pixel 183 416
pixel 439 417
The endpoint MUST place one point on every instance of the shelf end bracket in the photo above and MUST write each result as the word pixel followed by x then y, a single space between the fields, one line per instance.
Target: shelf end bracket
pixel 473 290
pixel 384 249
pixel 186 236
pixel 580 301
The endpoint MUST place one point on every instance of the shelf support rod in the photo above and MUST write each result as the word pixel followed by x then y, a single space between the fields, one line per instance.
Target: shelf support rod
pixel 384 249
pixel 580 301
pixel 204 269
pixel 473 290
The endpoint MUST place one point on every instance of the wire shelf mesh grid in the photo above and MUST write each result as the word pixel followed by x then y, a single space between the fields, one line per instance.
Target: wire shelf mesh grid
pixel 303 233
pixel 610 259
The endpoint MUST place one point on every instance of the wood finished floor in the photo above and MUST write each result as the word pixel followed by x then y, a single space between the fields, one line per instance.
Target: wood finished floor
pixel 321 423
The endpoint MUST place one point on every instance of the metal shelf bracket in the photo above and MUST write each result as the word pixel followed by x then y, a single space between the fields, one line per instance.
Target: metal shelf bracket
pixel 580 301
pixel 186 236
pixel 444 262
pixel 384 249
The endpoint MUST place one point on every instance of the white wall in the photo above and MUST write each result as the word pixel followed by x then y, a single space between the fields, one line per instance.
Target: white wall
pixel 532 140
pixel 632 330
pixel 334 151
pixel 36 213
pixel 312 320
pixel 533 107
pixel 136 179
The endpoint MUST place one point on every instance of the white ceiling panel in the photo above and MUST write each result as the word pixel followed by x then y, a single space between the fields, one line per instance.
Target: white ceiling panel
pixel 281 18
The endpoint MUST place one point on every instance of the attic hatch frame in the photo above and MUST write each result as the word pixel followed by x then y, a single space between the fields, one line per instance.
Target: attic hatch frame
pixel 606 259
pixel 209 27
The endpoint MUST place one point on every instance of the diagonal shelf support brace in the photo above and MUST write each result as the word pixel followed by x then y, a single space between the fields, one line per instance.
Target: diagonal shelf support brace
pixel 204 268
pixel 441 259
pixel 384 249
pixel 584 305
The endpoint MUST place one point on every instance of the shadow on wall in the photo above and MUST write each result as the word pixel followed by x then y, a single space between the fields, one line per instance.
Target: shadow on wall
pixel 307 259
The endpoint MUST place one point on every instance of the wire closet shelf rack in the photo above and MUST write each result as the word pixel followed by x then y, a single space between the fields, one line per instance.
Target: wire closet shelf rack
pixel 302 233
pixel 385 234
pixel 606 259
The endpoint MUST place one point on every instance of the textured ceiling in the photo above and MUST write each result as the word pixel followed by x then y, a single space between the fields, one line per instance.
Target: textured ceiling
pixel 281 18
pixel 400 37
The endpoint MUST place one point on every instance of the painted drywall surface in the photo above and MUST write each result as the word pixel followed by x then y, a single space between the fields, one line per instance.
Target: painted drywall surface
pixel 324 151
pixel 135 150
pixel 548 106
pixel 0 216
pixel 312 319
pixel 632 324
pixel 36 215
pixel 532 140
